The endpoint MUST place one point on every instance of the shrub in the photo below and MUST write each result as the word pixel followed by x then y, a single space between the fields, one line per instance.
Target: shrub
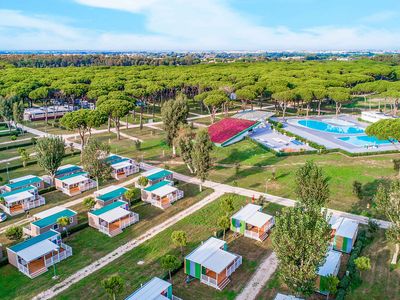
pixel 14 233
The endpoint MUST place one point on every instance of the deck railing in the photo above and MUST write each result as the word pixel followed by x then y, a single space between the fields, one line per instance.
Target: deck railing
pixel 35 203
pixel 60 255
pixel 209 281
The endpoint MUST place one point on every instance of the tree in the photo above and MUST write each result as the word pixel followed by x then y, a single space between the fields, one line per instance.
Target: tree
pixel 283 98
pixel 132 194
pixel 362 263
pixel 184 142
pixel 339 96
pixel 6 110
pixel 312 187
pixel 116 109
pixel 215 101
pixel 223 223
pixel 301 241
pixel 49 154
pixel 89 202
pixel 387 129
pixel 387 200
pixel 332 283
pixel 143 181
pixel 64 222
pixel 18 112
pixel 179 238
pixel 94 160
pixel 14 233
pixel 357 189
pixel 24 156
pixel 113 285
pixel 41 93
pixel 169 263
pixel 245 95
pixel 202 155
pixel 226 205
pixel 174 114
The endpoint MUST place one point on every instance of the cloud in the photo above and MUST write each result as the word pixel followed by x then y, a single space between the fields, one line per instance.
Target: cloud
pixel 184 25
pixel 380 17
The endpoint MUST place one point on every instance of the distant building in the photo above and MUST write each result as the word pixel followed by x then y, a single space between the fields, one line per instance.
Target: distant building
pixel 23 182
pixel 161 194
pixel 39 113
pixel 156 175
pixel 374 116
pixel 75 183
pixel 109 195
pixel 18 201
pixel 122 167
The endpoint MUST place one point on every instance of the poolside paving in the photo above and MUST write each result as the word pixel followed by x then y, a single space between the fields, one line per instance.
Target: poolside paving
pixel 331 140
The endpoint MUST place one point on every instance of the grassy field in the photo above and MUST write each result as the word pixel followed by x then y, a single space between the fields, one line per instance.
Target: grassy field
pixel 9 153
pixel 89 244
pixel 48 128
pixel 199 226
pixel 20 137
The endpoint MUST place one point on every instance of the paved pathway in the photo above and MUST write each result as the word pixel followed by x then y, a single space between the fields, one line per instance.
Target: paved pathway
pixel 98 264
pixel 259 279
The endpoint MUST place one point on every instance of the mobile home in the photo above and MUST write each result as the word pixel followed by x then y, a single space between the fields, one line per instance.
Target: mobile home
pixel 155 289
pixel 161 194
pixel 122 167
pixel 47 220
pixel 109 195
pixel 75 184
pixel 344 233
pixel 252 222
pixel 68 170
pixel 39 113
pixel 156 175
pixel 113 218
pixel 212 264
pixel 23 182
pixel 20 200
pixel 35 255
pixel 330 267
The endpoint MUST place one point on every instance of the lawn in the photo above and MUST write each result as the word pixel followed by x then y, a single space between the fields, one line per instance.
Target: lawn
pixel 199 226
pixel 20 137
pixel 48 128
pixel 9 153
pixel 89 244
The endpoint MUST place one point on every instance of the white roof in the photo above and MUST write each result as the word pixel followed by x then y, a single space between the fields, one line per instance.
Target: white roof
pixel 65 166
pixel 22 178
pixel 122 164
pixel 344 226
pixel 37 250
pixel 219 260
pixel 18 197
pixel 75 179
pixel 204 251
pixel 286 297
pixel 151 171
pixel 259 219
pixel 246 212
pixel 164 190
pixel 151 290
pixel 106 190
pixel 330 267
pixel 114 214
pixel 49 212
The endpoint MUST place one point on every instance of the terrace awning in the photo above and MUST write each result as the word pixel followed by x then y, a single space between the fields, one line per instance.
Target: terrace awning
pixel 37 250
pixel 219 261
pixel 258 219
pixel 114 214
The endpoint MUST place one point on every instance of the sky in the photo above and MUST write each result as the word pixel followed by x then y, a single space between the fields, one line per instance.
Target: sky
pixel 199 25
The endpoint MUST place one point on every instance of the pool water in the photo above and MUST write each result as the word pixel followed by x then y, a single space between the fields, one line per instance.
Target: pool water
pixel 326 127
pixel 364 140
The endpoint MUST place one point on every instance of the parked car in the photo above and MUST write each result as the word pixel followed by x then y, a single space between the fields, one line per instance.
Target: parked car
pixel 3 217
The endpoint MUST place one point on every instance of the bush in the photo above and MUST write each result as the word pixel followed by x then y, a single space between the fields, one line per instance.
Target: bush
pixel 47 190
pixel 14 233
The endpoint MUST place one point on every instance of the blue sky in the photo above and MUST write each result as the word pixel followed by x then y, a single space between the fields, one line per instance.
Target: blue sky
pixel 199 25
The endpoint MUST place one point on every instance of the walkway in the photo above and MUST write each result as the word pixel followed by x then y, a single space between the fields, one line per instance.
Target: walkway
pixel 259 279
pixel 98 264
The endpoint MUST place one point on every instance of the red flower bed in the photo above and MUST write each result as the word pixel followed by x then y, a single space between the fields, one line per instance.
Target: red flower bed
pixel 225 129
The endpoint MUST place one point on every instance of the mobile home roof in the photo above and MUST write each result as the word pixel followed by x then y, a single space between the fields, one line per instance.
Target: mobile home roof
pixel 52 219
pixel 151 290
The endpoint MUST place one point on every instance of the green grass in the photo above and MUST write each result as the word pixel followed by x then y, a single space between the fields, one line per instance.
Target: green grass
pixel 88 245
pixel 9 153
pixel 48 128
pixel 199 226
pixel 20 137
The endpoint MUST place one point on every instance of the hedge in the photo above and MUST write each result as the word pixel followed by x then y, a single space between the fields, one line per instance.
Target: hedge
pixel 47 190
pixel 16 145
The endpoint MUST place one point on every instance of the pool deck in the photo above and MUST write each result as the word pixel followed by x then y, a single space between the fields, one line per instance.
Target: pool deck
pixel 330 140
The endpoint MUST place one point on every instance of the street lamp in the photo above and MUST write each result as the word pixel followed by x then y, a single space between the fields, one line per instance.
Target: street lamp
pixel 55 276
pixel 8 174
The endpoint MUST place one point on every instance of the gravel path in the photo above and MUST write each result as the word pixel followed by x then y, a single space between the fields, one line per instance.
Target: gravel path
pixel 260 278
pixel 98 264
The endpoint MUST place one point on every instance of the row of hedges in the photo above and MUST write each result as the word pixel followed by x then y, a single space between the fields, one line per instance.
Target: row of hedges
pixel 47 190
pixel 10 132
pixel 16 145
pixel 352 278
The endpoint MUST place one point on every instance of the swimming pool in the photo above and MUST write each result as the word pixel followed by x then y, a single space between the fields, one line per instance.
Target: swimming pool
pixel 364 140
pixel 324 126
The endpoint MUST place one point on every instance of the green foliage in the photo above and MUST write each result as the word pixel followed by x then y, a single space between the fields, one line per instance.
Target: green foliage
pixel 170 262
pixel 179 238
pixel 300 240
pixel 14 233
pixel 363 263
pixel 202 155
pixel 89 202
pixel 312 186
pixel 143 181
pixel 94 159
pixel 174 114
pixel 387 129
pixel 227 205
pixel 184 142
pixel 49 153
pixel 357 189
pixel 24 156
pixel 132 194
pixel 332 283
pixel 223 223
pixel 113 285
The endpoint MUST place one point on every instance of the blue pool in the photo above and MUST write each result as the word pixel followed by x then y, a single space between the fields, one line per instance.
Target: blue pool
pixel 364 140
pixel 323 126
